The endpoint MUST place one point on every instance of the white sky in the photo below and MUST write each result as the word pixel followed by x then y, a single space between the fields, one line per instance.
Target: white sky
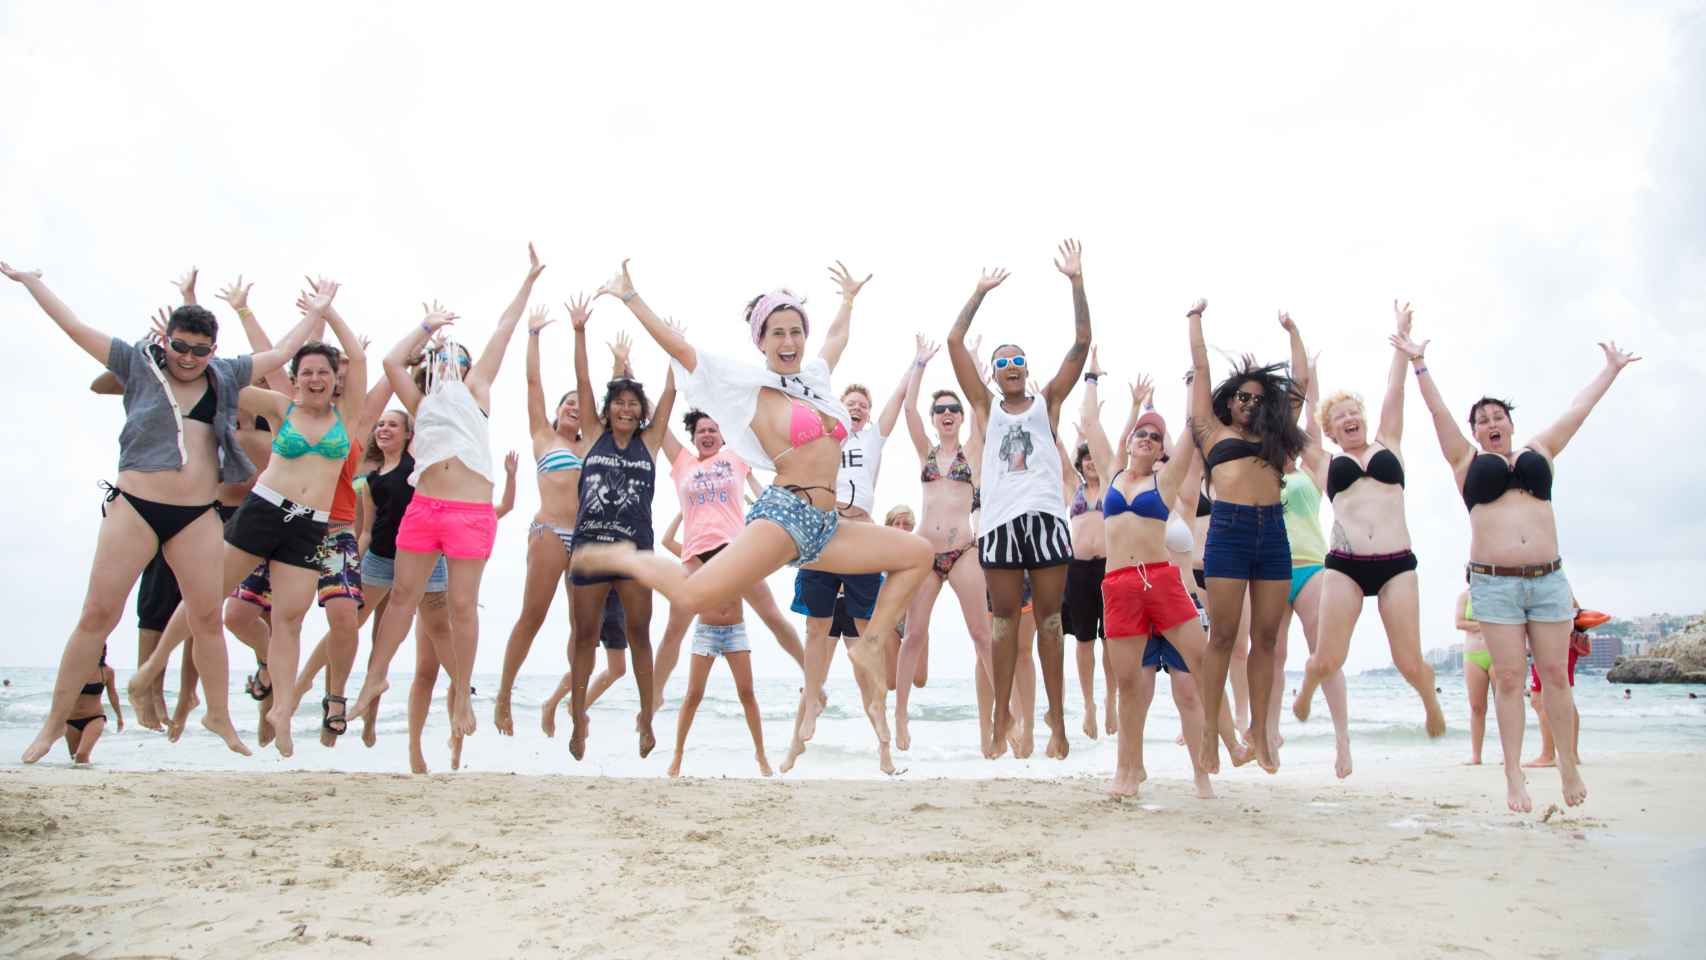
pixel 1528 174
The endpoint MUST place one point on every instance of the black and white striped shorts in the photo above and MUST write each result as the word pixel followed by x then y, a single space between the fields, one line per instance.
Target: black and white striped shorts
pixel 1026 542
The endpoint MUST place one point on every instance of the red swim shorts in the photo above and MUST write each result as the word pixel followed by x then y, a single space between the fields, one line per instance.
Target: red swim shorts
pixel 1148 598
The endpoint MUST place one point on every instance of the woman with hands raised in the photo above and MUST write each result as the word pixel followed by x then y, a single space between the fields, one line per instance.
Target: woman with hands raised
pixel 1022 525
pixel 782 416
pixel 1143 592
pixel 451 513
pixel 1247 430
pixel 1516 577
pixel 179 443
pixel 559 448
pixel 949 477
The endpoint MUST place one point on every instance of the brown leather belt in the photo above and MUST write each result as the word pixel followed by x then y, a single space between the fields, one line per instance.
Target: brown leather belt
pixel 1529 570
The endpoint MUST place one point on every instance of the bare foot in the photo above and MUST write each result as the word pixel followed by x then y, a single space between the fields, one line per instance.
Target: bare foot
pixel 456 751
pixel 577 737
pixel 1575 789
pixel 264 729
pixel 1142 774
pixel 547 720
pixel 141 703
pixel 1021 737
pixel 159 698
pixel 884 759
pixel 1516 793
pixel 1300 707
pixel 1205 787
pixel 1342 762
pixel 281 731
pixel 1544 760
pixel 39 747
pixel 1121 786
pixel 1208 754
pixel 417 762
pixel 647 740
pixel 808 722
pixel 1241 754
pixel 370 726
pixel 180 717
pixel 1472 762
pixel 879 716
pixel 221 727
pixel 371 691
pixel 764 765
pixel 1266 758
pixel 1111 722
pixel 465 721
pixel 1436 718
pixel 1090 720
pixel 501 719
pixel 794 750
pixel 902 736
pixel 866 655
pixel 1057 748
pixel 675 766
pixel 998 734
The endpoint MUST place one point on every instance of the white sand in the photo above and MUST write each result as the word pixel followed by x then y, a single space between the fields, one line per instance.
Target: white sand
pixel 314 865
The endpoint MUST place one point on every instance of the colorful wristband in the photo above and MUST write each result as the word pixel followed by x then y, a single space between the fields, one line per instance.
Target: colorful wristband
pixel 631 294
pixel 425 327
pixel 1421 370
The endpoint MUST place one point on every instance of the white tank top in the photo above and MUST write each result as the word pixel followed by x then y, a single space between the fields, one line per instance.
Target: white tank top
pixel 1021 468
pixel 861 458
pixel 448 423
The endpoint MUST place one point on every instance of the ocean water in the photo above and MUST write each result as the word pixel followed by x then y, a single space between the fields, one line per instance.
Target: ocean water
pixel 1386 729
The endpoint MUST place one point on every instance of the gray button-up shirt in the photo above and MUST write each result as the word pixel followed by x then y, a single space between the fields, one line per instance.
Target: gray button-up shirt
pixel 149 441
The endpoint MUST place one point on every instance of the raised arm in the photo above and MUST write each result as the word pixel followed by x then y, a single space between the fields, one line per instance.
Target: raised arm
pixel 538 420
pixel 354 402
pixel 839 328
pixel 396 362
pixel 914 422
pixel 93 342
pixel 591 426
pixel 1392 406
pixel 668 337
pixel 315 306
pixel 965 365
pixel 1299 364
pixel 1199 422
pixel 1552 440
pixel 1071 263
pixel 1142 389
pixel 507 504
pixel 1090 424
pixel 907 386
pixel 237 295
pixel 485 369
pixel 659 427
pixel 186 286
pixel 1314 454
pixel 1452 443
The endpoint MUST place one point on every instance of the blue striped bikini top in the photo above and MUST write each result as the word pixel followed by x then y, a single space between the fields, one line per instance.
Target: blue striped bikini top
pixel 561 458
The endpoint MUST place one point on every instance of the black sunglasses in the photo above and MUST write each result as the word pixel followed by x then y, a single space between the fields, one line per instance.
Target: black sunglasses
pixel 1248 398
pixel 193 349
pixel 947 408
pixel 1146 435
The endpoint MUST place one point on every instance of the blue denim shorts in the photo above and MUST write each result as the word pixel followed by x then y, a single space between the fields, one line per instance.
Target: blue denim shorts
pixel 378 571
pixel 1247 543
pixel 810 528
pixel 709 640
pixel 1514 600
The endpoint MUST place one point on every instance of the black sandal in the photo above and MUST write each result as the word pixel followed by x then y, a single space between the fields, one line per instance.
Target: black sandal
pixel 258 691
pixel 327 720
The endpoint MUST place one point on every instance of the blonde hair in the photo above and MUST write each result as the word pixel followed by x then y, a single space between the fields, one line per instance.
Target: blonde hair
pixel 1334 399
pixel 896 513
pixel 856 388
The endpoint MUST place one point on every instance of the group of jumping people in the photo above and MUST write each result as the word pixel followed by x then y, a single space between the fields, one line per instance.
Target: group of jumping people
pixel 1187 551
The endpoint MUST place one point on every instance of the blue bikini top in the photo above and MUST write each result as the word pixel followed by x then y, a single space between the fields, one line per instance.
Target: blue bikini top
pixel 1147 504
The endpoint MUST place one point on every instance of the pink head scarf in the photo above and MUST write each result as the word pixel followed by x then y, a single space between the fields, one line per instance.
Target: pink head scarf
pixel 769 304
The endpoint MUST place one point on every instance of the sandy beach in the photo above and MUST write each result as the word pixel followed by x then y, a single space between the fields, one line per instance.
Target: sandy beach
pixel 234 865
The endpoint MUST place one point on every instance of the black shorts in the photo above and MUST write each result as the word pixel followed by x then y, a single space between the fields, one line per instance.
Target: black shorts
pixel 272 533
pixel 841 623
pixel 1029 541
pixel 613 627
pixel 157 594
pixel 1081 614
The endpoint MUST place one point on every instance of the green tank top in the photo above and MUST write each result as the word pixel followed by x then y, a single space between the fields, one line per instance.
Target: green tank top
pixel 1302 500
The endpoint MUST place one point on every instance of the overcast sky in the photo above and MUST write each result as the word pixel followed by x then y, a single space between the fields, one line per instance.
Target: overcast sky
pixel 1529 174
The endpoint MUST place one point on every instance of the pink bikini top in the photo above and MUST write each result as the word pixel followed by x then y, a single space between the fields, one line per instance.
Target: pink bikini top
pixel 805 424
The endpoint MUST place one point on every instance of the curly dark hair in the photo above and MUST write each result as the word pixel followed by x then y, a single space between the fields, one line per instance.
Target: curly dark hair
pixel 1079 456
pixel 315 348
pixel 1504 405
pixel 618 387
pixel 191 318
pixel 691 419
pixel 1275 422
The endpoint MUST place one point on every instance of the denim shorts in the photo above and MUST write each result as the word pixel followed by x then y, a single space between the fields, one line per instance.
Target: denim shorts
pixel 710 640
pixel 810 528
pixel 378 571
pixel 1247 543
pixel 1515 600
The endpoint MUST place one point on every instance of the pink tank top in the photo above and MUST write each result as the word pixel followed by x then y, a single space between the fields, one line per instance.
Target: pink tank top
pixel 712 513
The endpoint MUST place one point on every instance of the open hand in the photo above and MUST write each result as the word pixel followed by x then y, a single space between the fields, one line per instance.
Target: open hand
pixel 324 291
pixel 926 350
pixel 534 267
pixel 1615 358
pixel 623 346
pixel 13 273
pixel 580 311
pixel 620 286
pixel 991 279
pixel 236 294
pixel 1286 323
pixel 539 318
pixel 1403 315
pixel 186 285
pixel 436 316
pixel 157 325
pixel 511 462
pixel 1141 390
pixel 1409 347
pixel 1070 260
pixel 1095 367
pixel 849 287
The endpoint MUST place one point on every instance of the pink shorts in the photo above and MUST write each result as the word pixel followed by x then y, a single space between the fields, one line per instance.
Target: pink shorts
pixel 459 529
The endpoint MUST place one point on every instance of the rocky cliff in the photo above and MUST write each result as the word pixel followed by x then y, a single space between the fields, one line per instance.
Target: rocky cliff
pixel 1678 658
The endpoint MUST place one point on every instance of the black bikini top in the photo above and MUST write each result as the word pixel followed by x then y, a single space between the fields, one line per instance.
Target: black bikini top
pixel 1489 478
pixel 206 407
pixel 1232 448
pixel 1383 467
